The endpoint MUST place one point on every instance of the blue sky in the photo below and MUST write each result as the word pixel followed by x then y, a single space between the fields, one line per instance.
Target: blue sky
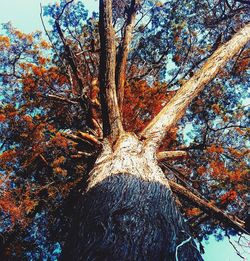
pixel 24 14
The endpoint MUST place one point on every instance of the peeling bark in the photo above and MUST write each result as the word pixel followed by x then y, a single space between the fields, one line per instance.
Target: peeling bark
pixel 175 109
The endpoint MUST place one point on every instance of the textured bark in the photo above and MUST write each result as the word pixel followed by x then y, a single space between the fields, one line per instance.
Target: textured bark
pixel 112 125
pixel 175 109
pixel 128 211
pixel 123 52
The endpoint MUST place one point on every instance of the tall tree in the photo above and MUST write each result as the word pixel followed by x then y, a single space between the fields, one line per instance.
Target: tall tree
pixel 104 138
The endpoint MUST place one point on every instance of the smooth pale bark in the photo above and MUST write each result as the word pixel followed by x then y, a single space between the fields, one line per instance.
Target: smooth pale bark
pixel 112 125
pixel 175 109
pixel 167 155
pixel 123 53
pixel 128 211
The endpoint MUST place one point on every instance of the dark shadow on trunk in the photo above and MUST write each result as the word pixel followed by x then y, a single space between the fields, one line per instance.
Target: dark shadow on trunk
pixel 127 218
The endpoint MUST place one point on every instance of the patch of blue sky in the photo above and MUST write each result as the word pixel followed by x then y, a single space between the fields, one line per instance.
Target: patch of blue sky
pixel 25 14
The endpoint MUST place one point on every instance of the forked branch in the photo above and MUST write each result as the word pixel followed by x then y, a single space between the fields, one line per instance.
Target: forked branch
pixel 175 109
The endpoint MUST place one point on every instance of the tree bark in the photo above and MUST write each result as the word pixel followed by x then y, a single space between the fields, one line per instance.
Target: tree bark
pixel 175 109
pixel 112 125
pixel 123 52
pixel 128 211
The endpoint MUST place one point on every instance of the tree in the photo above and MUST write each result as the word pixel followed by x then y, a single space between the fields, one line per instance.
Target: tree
pixel 98 127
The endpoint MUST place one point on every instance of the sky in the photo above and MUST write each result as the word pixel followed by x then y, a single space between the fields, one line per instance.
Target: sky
pixel 25 15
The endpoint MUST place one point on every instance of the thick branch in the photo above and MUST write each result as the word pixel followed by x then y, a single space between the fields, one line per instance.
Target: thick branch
pixel 175 109
pixel 208 208
pixel 123 52
pixel 110 110
pixel 167 155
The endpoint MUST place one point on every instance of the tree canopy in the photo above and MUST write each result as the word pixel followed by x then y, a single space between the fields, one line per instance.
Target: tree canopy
pixel 52 125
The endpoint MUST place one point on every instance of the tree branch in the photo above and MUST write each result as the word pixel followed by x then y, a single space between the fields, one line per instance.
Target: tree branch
pixel 70 58
pixel 123 51
pixel 111 118
pixel 61 99
pixel 207 207
pixel 167 155
pixel 174 110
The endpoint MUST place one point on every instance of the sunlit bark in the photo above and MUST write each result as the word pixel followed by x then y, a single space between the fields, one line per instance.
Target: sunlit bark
pixel 175 109
pixel 112 125
pixel 124 51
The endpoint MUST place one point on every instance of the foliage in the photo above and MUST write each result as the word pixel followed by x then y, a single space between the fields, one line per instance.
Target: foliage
pixel 44 113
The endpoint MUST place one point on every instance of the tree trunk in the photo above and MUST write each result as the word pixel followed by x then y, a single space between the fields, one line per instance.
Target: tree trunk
pixel 128 211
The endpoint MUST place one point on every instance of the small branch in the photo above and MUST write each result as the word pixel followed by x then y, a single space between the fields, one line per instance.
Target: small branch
pixel 61 99
pixel 81 154
pixel 170 155
pixel 83 137
pixel 43 159
pixel 47 33
pixel 236 250
pixel 89 137
pixel 208 208
pixel 175 109
pixel 63 9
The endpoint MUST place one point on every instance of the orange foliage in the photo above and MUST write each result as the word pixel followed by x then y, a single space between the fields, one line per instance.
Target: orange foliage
pixel 4 42
pixel 2 117
pixel 216 108
pixel 193 212
pixel 215 149
pixel 225 118
pixel 44 44
pixel 201 170
pixel 218 168
pixel 28 120
pixel 239 130
pixel 60 171
pixel 177 58
pixel 60 141
pixel 8 205
pixel 142 103
pixel 229 196
pixel 28 204
pixel 42 60
pixel 236 153
pixel 8 156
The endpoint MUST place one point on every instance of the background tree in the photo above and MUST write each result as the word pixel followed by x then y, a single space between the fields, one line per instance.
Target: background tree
pixel 77 97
